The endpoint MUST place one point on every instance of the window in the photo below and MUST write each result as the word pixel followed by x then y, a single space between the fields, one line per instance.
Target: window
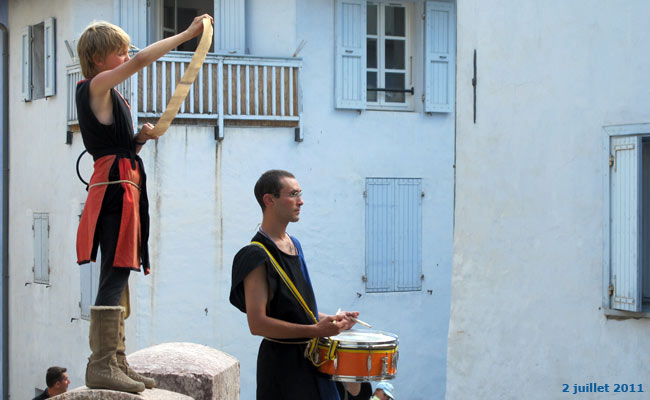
pixel 388 55
pixel 178 15
pixel 626 255
pixel 393 234
pixel 375 46
pixel 168 17
pixel 89 284
pixel 41 230
pixel 38 48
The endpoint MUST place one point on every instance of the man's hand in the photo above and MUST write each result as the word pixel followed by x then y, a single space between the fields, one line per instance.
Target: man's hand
pixel 330 325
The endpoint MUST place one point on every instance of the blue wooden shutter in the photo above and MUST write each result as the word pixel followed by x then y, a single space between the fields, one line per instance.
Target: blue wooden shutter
pixel 379 234
pixel 132 17
pixel 408 234
pixel 41 248
pixel 89 275
pixel 230 26
pixel 50 57
pixel 86 290
pixel 625 223
pixel 393 234
pixel 26 66
pixel 440 54
pixel 89 285
pixel 351 54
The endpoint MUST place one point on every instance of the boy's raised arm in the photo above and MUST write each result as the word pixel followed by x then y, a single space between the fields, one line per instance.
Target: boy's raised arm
pixel 106 80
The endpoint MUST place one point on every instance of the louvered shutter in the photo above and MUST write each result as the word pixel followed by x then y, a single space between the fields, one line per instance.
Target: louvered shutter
pixel 625 223
pixel 393 234
pixel 440 42
pixel 351 54
pixel 50 57
pixel 85 272
pixel 41 248
pixel 26 66
pixel 379 235
pixel 408 234
pixel 132 17
pixel 231 26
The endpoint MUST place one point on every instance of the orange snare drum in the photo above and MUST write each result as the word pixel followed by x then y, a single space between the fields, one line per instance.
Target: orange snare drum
pixel 359 356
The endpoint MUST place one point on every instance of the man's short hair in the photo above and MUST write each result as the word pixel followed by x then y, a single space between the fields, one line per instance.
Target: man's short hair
pixel 97 40
pixel 54 375
pixel 270 182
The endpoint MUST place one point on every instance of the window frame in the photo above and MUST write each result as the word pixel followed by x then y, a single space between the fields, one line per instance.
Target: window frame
pixel 381 70
pixel 640 133
pixel 229 24
pixel 38 80
pixel 433 50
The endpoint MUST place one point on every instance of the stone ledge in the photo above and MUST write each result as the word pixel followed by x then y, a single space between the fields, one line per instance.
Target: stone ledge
pixel 192 369
pixel 102 394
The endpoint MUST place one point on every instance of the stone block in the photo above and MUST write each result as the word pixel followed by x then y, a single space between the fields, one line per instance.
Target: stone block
pixel 101 394
pixel 192 369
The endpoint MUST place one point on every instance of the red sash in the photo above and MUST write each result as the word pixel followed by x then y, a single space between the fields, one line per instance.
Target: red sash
pixel 127 253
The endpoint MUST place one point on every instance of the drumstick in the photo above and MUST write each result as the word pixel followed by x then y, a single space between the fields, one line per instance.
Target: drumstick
pixel 367 325
pixel 358 321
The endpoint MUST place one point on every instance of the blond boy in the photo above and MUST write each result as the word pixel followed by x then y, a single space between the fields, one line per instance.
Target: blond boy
pixel 115 216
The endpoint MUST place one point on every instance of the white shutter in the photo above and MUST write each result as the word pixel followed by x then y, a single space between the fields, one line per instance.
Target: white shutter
pixel 351 54
pixel 380 220
pixel 132 17
pixel 231 26
pixel 50 57
pixel 408 234
pixel 440 54
pixel 41 228
pixel 625 223
pixel 85 273
pixel 393 234
pixel 26 48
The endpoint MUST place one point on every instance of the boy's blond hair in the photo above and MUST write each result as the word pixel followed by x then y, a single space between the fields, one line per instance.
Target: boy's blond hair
pixel 97 40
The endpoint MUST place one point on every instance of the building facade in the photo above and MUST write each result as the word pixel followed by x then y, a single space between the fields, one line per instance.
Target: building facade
pixel 548 272
pixel 355 98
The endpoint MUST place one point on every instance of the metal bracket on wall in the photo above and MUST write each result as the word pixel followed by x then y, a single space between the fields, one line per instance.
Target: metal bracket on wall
pixel 474 83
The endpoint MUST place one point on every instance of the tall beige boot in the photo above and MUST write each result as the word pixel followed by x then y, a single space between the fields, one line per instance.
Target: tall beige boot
pixel 120 354
pixel 102 371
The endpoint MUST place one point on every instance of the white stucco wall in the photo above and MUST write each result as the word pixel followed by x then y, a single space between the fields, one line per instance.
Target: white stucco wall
pixel 526 312
pixel 203 210
pixel 204 213
pixel 44 325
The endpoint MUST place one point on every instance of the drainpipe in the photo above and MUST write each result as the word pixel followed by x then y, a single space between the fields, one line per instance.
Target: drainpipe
pixel 4 246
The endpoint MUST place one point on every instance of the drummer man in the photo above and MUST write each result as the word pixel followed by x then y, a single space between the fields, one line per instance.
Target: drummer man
pixel 287 319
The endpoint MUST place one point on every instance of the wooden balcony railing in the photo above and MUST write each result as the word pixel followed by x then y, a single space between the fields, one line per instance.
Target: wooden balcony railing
pixel 229 90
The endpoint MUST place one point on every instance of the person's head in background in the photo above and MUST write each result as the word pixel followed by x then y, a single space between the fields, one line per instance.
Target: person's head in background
pixel 57 380
pixel 384 391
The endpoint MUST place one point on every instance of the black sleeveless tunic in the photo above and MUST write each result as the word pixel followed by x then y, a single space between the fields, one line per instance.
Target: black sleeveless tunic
pixel 283 372
pixel 116 139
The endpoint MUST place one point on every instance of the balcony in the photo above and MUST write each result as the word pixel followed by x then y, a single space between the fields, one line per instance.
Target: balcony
pixel 228 91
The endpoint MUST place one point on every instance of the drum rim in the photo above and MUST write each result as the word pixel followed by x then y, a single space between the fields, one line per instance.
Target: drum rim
pixel 394 341
pixel 352 378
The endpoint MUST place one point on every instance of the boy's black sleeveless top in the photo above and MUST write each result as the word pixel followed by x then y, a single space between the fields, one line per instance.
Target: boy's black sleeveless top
pixel 101 140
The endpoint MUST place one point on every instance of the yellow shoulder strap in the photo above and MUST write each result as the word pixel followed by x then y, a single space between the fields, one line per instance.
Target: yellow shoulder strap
pixel 285 278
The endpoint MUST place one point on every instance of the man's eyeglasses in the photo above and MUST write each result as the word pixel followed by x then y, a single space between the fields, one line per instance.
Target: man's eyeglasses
pixel 292 195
